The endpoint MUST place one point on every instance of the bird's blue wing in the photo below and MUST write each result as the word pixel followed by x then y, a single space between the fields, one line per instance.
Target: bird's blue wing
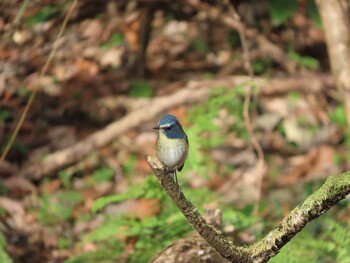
pixel 180 168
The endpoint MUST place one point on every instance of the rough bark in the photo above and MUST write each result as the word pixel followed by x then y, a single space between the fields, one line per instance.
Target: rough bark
pixel 213 236
pixel 332 191
pixel 193 248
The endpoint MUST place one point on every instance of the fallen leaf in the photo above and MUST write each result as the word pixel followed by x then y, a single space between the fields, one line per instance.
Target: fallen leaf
pixel 16 211
pixel 50 238
pixel 92 29
pixel 51 186
pixel 131 30
pixel 86 67
pixel 146 208
pixel 112 57
pixel 317 163
pixel 246 186
pixel 142 165
pixel 294 133
pixel 18 186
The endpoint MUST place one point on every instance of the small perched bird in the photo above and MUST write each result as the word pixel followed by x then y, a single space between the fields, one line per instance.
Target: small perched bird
pixel 172 144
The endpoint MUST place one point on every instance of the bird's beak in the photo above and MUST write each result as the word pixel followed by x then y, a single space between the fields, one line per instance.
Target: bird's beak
pixel 156 128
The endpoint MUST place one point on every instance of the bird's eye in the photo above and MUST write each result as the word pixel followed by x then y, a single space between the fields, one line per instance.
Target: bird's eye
pixel 167 128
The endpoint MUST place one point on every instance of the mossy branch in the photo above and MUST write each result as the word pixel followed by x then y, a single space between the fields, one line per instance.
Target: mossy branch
pixel 332 191
pixel 213 236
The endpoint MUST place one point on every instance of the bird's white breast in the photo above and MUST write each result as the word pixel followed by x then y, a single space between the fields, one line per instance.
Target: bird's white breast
pixel 172 152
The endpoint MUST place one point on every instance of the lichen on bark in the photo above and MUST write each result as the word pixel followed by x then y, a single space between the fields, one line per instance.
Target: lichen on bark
pixel 331 192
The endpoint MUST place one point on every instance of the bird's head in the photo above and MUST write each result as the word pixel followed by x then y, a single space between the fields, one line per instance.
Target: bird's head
pixel 171 127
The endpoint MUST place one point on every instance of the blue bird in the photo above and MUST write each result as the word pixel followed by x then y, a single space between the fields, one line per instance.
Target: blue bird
pixel 172 144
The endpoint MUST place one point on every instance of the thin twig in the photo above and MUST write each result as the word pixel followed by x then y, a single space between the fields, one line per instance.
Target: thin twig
pixel 20 13
pixel 265 47
pixel 33 94
pixel 247 99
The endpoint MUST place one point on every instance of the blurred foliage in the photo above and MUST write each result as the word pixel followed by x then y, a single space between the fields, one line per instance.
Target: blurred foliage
pixel 138 239
pixel 4 257
pixel 65 177
pixel 233 39
pixel 303 123
pixel 65 242
pixel 130 163
pixel 153 234
pixel 322 241
pixel 134 192
pixel 240 219
pixel 339 240
pixel 44 14
pixel 199 45
pixel 58 207
pixel 338 116
pixel 208 76
pixel 261 66
pixel 5 115
pixel 17 147
pixel 206 134
pixel 115 40
pixel 103 174
pixel 135 239
pixel 111 251
pixel 294 96
pixel 312 12
pixel 306 61
pixel 150 234
pixel 22 92
pixel 281 11
pixel 140 88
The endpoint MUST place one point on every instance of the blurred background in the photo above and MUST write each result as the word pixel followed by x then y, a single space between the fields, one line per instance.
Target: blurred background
pixel 127 63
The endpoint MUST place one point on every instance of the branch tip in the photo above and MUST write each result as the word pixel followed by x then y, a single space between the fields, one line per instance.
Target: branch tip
pixel 154 163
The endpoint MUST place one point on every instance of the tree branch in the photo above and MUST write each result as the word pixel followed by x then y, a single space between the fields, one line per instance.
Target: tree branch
pixel 193 92
pixel 213 236
pixel 62 158
pixel 332 191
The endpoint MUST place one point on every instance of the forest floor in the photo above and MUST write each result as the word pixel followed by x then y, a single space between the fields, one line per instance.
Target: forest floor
pixel 194 68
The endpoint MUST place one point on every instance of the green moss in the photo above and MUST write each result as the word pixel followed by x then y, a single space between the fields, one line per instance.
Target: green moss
pixel 334 189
